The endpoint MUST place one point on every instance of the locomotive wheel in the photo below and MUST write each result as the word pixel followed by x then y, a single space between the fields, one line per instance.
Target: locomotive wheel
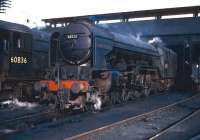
pixel 146 91
pixel 112 98
pixel 137 94
pixel 197 88
pixel 124 96
pixel 90 107
pixel 0 86
pixel 131 95
pixel 26 93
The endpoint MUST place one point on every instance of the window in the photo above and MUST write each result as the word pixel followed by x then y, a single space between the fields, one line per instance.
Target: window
pixel 4 41
pixel 18 40
pixel 5 46
pixel 1 45
pixel 19 43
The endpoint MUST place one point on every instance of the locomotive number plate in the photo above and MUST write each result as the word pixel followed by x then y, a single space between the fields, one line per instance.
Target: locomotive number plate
pixel 18 60
pixel 71 36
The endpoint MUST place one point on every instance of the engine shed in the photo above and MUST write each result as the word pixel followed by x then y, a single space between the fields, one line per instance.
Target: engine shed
pixel 177 28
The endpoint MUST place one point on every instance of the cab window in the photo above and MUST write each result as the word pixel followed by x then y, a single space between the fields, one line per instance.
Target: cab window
pixel 4 41
pixel 18 41
pixel 22 40
pixel 1 44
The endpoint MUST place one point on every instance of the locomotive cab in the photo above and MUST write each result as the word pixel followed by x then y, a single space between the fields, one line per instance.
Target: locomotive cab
pixel 20 54
pixel 15 54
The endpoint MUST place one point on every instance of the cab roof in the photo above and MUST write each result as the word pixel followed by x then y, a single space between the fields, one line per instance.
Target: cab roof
pixel 14 27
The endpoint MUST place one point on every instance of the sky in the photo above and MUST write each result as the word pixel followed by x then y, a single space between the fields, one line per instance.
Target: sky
pixel 35 10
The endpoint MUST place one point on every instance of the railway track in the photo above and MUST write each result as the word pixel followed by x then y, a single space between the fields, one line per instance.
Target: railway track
pixel 195 137
pixel 164 133
pixel 20 119
pixel 189 108
pixel 30 118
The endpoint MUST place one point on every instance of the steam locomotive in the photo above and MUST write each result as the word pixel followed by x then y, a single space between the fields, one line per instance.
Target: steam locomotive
pixel 90 64
pixel 23 58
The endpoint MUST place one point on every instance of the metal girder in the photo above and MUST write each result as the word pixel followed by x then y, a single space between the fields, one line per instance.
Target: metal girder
pixel 163 27
pixel 124 16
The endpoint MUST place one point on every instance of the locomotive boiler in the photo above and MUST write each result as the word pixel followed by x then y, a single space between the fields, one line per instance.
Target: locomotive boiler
pixel 93 64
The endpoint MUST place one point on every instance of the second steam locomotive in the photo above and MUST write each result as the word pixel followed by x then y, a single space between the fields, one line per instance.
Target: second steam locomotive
pixel 23 59
pixel 89 64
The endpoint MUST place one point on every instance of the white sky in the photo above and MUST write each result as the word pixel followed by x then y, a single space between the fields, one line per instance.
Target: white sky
pixel 35 10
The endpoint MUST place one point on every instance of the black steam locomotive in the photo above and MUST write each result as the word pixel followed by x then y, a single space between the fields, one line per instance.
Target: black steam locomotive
pixel 118 66
pixel 23 57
